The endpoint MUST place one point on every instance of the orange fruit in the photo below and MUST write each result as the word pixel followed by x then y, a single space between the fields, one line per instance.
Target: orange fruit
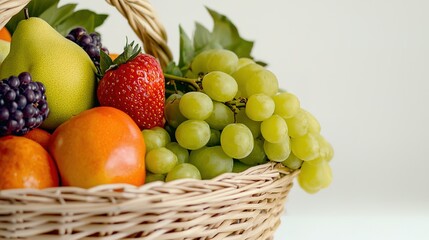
pixel 39 135
pixel 113 56
pixel 102 145
pixel 25 164
pixel 5 35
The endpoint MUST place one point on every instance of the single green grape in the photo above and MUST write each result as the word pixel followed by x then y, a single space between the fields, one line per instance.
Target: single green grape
pixel 199 63
pixel 196 105
pixel 173 96
pixel 292 162
pixel 172 113
pixel 313 123
pixel 214 138
pixel 254 126
pixel 287 104
pixel 183 170
pixel 222 60
pixel 190 74
pixel 277 152
pixel 326 151
pixel 314 176
pixel 259 107
pixel 242 75
pixel 153 177
pixel 257 155
pixel 155 137
pixel 263 81
pixel 195 153
pixel 215 60
pixel 211 161
pixel 160 160
pixel 221 116
pixel 239 167
pixel 243 61
pixel 219 86
pixel 306 147
pixel 298 124
pixel 236 140
pixel 274 129
pixel 193 134
pixel 181 153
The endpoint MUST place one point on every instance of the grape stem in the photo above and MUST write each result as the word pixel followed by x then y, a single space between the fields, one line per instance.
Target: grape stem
pixel 168 91
pixel 190 81
pixel 236 104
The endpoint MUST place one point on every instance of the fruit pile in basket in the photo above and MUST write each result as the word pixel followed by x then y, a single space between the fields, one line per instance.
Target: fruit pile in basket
pixel 72 115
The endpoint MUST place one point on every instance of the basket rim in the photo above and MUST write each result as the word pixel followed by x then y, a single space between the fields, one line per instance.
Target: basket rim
pixel 267 170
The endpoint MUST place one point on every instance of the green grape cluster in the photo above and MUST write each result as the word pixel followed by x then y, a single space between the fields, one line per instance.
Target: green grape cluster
pixel 235 117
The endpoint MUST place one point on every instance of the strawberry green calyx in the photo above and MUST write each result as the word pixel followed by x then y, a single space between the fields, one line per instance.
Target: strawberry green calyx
pixel 129 53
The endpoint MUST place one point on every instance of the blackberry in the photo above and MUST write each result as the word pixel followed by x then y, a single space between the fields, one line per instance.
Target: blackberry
pixel 23 104
pixel 90 42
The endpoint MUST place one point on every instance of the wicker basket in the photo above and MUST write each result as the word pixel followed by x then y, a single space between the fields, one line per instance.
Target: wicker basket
pixel 245 205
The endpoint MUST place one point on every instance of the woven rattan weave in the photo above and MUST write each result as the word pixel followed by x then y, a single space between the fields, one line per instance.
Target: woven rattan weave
pixel 240 206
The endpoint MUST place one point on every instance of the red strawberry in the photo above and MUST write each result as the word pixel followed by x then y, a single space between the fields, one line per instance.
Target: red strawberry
pixel 133 83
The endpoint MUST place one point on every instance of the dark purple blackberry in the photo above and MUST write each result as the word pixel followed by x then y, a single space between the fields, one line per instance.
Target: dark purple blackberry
pixel 90 42
pixel 23 104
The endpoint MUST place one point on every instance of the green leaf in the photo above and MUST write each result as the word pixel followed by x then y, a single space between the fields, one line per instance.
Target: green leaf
pixel 223 35
pixel 186 49
pixel 63 18
pixel 99 19
pixel 243 48
pixel 202 37
pixel 172 68
pixel 35 7
pixel 227 35
pixel 54 15
pixel 82 18
pixel 223 31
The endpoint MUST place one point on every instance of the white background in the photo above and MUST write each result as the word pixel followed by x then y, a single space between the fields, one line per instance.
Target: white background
pixel 362 68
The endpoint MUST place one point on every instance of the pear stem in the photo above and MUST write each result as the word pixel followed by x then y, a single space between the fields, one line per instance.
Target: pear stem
pixel 26 13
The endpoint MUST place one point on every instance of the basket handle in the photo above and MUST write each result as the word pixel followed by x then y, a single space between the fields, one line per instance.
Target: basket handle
pixel 9 8
pixel 144 21
pixel 139 13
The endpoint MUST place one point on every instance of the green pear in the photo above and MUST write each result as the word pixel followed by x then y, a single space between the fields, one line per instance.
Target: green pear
pixel 62 66
pixel 4 49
